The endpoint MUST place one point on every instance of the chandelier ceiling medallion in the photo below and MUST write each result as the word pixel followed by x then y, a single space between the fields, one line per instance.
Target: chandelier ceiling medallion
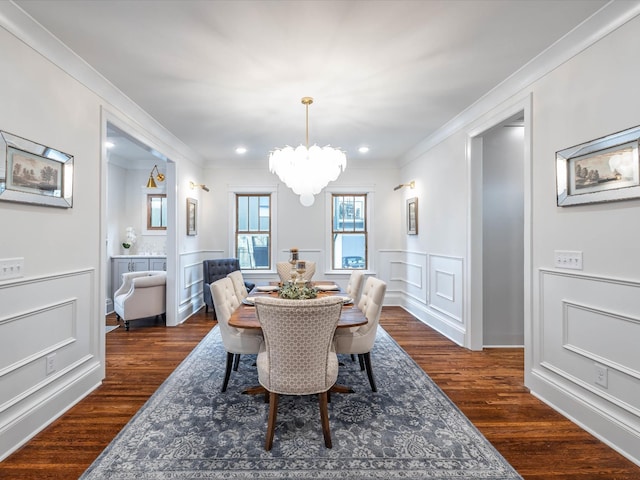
pixel 306 170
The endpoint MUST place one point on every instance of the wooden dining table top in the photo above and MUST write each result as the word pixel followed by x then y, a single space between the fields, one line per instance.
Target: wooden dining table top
pixel 245 315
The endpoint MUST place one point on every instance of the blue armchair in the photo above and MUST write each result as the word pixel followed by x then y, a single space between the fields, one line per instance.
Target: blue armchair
pixel 216 269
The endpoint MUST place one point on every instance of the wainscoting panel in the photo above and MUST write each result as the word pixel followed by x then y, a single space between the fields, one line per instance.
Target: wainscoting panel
pixel 445 286
pixel 50 351
pixel 590 325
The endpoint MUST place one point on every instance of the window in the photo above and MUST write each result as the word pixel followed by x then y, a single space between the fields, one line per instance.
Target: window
pixel 253 231
pixel 156 212
pixel 349 231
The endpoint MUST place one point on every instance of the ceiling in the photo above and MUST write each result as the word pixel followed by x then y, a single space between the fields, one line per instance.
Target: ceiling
pixel 220 74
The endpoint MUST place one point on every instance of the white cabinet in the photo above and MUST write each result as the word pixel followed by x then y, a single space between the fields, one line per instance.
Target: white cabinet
pixel 123 264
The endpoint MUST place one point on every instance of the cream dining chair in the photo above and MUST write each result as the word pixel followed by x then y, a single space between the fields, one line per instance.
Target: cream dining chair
pixel 284 271
pixel 236 341
pixel 297 356
pixel 238 285
pixel 355 284
pixel 359 341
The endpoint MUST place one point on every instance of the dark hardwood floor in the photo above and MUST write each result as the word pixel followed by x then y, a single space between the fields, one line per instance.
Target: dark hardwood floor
pixel 487 386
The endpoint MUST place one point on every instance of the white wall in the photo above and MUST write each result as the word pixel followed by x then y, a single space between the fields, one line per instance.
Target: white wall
pixel 57 308
pixel 578 319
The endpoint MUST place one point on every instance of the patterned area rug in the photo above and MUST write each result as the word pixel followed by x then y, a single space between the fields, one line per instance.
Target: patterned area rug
pixel 409 429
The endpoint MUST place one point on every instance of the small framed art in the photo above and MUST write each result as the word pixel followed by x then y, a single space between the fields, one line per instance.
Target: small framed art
pixel 412 216
pixel 192 216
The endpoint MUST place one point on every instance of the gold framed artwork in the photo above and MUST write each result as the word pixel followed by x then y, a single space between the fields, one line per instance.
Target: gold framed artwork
pixel 412 216
pixel 192 216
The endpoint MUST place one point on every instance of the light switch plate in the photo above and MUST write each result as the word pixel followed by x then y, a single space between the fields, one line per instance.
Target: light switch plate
pixel 11 268
pixel 568 259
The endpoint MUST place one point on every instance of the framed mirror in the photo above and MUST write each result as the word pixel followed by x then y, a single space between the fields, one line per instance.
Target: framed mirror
pixel 156 211
pixel 34 173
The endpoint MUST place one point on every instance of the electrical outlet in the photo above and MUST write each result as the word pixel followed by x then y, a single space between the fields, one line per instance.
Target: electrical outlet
pixel 11 268
pixel 51 363
pixel 602 375
pixel 568 259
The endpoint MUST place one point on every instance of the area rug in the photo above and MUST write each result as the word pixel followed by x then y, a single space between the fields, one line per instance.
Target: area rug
pixel 111 328
pixel 409 429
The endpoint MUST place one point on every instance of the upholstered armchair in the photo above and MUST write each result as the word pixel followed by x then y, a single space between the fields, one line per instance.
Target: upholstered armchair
pixel 359 341
pixel 297 356
pixel 284 271
pixel 141 295
pixel 236 341
pixel 216 269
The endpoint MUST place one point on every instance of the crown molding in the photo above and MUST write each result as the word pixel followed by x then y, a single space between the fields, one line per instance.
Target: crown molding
pixel 609 18
pixel 26 29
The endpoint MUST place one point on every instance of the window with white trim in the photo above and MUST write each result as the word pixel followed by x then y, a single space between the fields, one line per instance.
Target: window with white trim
pixel 253 231
pixel 349 231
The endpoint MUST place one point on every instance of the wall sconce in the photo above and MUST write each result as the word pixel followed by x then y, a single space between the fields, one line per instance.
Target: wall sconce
pixel 193 186
pixel 411 184
pixel 160 176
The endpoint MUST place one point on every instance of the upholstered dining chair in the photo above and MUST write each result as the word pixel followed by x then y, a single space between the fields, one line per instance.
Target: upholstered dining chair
pixel 297 356
pixel 284 271
pixel 360 340
pixel 238 285
pixel 236 341
pixel 355 284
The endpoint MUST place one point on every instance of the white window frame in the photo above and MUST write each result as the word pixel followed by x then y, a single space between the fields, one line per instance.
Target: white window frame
pixel 369 191
pixel 271 190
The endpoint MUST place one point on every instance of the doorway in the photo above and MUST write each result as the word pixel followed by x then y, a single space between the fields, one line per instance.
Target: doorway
pixel 479 293
pixel 126 167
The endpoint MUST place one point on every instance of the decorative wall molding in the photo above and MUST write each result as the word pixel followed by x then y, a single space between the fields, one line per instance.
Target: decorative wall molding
pixel 59 312
pixel 446 286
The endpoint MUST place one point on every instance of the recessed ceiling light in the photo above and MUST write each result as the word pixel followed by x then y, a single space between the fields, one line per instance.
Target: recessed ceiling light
pixel 241 150
pixel 363 149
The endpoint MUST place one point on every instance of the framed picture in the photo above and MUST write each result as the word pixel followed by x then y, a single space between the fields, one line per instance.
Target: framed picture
pixel 34 173
pixel 602 170
pixel 192 216
pixel 412 216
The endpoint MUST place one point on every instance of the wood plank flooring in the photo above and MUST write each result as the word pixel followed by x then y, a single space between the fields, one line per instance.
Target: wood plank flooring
pixel 487 386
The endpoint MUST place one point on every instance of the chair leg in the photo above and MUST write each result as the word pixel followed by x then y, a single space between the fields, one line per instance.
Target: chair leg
pixel 126 325
pixel 324 419
pixel 236 362
pixel 361 362
pixel 353 357
pixel 273 414
pixel 227 372
pixel 366 357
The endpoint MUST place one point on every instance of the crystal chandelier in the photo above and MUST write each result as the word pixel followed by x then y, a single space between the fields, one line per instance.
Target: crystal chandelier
pixel 306 170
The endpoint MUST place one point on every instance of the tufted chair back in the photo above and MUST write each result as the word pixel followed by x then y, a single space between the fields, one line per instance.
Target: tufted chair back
pixel 216 269
pixel 284 271
pixel 355 284
pixel 298 357
pixel 238 285
pixel 371 303
pixel 226 302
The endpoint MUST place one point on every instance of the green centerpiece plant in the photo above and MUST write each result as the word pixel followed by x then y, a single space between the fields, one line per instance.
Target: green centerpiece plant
pixel 294 291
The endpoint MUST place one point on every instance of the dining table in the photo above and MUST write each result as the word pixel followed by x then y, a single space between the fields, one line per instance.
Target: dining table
pixel 245 317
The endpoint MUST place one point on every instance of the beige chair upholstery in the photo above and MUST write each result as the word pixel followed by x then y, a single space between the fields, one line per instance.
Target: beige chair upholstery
pixel 284 271
pixel 297 356
pixel 355 284
pixel 360 340
pixel 236 341
pixel 141 295
pixel 238 285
